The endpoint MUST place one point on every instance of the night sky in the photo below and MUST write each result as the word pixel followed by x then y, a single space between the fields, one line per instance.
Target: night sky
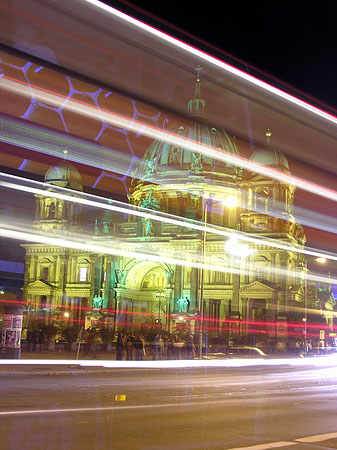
pixel 293 41
pixel 288 42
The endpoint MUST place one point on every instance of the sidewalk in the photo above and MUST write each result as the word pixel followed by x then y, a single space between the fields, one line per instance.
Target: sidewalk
pixel 51 363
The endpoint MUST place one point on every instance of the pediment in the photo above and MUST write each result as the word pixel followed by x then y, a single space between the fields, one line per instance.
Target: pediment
pixel 258 286
pixel 40 285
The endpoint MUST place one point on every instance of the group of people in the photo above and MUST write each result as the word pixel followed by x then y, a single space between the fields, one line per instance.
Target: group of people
pixel 311 347
pixel 134 347
pixel 130 345
pixel 35 340
pixel 91 340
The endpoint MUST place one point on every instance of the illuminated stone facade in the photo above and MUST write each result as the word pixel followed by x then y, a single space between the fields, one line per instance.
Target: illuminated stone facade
pixel 125 291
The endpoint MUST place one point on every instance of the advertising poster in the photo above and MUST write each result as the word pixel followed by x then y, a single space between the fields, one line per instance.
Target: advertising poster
pixel 7 321
pixel 11 339
pixel 11 331
pixel 17 322
pixel 3 338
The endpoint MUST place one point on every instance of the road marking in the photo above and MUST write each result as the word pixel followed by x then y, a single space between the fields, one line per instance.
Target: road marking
pixel 318 437
pixel 110 408
pixel 280 444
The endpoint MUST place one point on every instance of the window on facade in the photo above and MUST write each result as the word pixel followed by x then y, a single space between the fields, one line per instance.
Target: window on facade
pixel 262 201
pixel 43 302
pixel 83 273
pixel 189 276
pixel 51 211
pixel 261 266
pixel 45 273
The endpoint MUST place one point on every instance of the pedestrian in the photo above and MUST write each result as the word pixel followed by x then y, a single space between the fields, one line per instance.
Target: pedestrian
pixel 119 347
pixel 130 347
pixel 35 340
pixel 94 343
pixel 156 348
pixel 161 347
pixel 30 340
pixel 40 340
pixel 139 345
pixel 190 347
pixel 86 342
pixel 177 346
pixel 170 348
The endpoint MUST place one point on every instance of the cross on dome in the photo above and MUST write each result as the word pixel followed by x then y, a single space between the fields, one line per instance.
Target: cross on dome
pixel 198 72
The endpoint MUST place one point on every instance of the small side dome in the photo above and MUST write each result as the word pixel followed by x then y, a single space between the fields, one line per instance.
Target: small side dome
pixel 64 175
pixel 272 158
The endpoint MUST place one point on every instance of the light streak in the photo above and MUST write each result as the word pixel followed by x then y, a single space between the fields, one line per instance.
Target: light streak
pixel 176 364
pixel 38 238
pixel 141 212
pixel 131 125
pixel 76 244
pixel 215 61
pixel 221 322
pixel 33 137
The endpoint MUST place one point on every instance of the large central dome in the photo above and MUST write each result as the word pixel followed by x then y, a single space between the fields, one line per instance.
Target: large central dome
pixel 168 162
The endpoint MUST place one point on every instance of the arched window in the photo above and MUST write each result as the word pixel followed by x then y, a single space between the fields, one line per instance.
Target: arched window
pixel 262 200
pixel 45 268
pixel 175 155
pixel 83 270
pixel 261 268
pixel 51 211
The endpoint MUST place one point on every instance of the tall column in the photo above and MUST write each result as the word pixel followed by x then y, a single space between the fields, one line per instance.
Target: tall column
pixel 28 262
pixel 35 267
pixel 283 285
pixel 236 294
pixel 107 283
pixel 110 281
pixel 63 260
pixel 96 276
pixel 177 285
pixel 194 289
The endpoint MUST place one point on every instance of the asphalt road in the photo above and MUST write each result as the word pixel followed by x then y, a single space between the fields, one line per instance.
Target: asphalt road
pixel 221 408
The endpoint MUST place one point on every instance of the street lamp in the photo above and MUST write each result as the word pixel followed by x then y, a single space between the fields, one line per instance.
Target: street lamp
pixel 230 202
pixel 320 260
pixel 159 295
pixel 238 251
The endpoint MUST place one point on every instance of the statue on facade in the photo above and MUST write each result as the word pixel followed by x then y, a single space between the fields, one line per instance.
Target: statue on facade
pixel 150 167
pixel 182 304
pixel 149 201
pixel 97 302
pixel 147 227
pixel 196 166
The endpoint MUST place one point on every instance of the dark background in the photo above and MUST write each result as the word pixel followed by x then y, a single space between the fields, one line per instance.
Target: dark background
pixel 292 41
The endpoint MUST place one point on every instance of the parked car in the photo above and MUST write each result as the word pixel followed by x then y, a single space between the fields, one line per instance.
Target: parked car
pixel 237 352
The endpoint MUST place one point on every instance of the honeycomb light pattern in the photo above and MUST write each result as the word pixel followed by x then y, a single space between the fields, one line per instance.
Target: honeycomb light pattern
pixel 30 108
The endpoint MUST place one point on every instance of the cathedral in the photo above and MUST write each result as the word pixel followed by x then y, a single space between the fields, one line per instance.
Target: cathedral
pixel 260 292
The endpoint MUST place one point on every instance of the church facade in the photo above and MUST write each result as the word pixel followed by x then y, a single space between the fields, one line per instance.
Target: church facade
pixel 260 293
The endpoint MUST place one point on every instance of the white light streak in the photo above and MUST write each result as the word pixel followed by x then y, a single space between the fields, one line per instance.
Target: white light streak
pixel 141 212
pixel 189 260
pixel 216 62
pixel 321 361
pixel 234 247
pixel 165 136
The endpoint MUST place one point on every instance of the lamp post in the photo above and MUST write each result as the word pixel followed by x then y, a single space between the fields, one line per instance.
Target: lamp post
pixel 321 260
pixel 229 202
pixel 238 251
pixel 159 295
pixel 305 319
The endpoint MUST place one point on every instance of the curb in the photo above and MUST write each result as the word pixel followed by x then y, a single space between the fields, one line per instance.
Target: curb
pixel 79 371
